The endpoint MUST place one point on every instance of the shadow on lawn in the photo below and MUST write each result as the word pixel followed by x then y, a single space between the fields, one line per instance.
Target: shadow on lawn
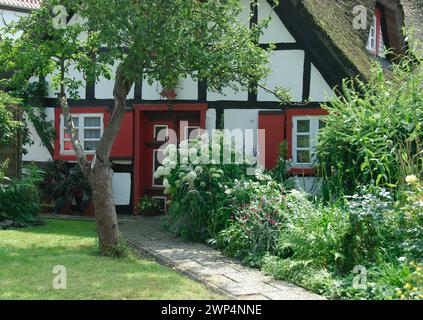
pixel 84 229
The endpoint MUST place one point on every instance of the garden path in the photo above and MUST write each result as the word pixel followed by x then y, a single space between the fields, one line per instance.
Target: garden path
pixel 207 265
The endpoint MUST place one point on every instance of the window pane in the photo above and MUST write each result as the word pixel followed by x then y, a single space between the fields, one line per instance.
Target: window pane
pixel 303 141
pixel 303 126
pixel 75 122
pixel 90 145
pixel 67 135
pixel 322 124
pixel 92 133
pixel 303 156
pixel 67 146
pixel 158 129
pixel 92 122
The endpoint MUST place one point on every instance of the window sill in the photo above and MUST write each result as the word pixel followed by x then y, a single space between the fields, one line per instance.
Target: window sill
pixel 304 171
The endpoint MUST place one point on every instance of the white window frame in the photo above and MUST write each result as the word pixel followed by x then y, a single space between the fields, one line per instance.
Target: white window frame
pixel 81 129
pixel 314 131
pixel 373 29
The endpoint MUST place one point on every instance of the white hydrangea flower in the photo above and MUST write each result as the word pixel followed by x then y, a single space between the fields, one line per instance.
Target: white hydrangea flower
pixel 184 144
pixel 159 172
pixel 199 170
pixel 167 171
pixel 166 183
pixel 173 164
pixel 183 152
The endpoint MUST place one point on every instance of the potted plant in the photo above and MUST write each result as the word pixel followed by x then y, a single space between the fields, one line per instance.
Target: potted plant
pixel 149 206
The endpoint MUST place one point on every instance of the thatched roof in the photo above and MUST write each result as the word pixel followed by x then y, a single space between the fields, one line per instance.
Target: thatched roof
pixel 333 21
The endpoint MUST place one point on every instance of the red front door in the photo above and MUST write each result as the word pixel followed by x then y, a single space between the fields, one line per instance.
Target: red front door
pixel 158 127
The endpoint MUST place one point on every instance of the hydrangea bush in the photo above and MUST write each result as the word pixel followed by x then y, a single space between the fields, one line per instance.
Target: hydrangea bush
pixel 197 175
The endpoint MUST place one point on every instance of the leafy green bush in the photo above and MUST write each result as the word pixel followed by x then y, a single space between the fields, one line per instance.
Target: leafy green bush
pixel 372 227
pixel 368 127
pixel 64 185
pixel 314 232
pixel 19 200
pixel 300 272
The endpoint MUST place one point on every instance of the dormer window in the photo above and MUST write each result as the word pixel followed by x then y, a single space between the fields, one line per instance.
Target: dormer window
pixel 375 44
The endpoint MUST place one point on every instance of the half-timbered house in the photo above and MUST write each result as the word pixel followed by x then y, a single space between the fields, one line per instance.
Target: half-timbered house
pixel 317 46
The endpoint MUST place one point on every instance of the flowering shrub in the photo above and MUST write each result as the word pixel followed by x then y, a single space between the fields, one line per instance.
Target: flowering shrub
pixel 256 222
pixel 197 177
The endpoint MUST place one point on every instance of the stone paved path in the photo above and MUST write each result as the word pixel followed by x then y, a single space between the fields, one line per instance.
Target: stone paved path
pixel 207 265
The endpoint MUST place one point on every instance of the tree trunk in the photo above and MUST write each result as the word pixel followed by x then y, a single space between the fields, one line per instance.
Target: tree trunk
pixel 99 172
pixel 105 211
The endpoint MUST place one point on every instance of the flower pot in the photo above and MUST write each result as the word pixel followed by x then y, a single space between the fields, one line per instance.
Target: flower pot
pixel 151 213
pixel 168 93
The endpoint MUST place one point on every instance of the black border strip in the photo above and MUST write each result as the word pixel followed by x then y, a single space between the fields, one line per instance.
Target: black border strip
pixel 306 77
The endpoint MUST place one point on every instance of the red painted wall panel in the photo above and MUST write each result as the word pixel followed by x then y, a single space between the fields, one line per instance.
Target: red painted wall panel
pixel 274 124
pixel 124 144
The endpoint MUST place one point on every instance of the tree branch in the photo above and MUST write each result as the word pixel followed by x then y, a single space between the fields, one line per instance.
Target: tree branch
pixel 120 92
pixel 70 127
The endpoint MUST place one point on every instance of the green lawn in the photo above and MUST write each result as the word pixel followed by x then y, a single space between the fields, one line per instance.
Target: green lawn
pixel 28 256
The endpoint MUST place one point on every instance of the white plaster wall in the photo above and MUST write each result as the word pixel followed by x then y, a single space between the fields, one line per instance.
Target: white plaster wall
pixel 37 152
pixel 228 94
pixel 121 188
pixel 243 119
pixel 73 74
pixel 104 87
pixel 276 32
pixel 151 92
pixel 244 16
pixel 287 71
pixel 51 92
pixel 210 120
pixel 319 89
pixel 186 90
pixel 7 16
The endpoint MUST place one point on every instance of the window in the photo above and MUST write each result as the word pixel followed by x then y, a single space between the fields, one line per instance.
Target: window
pixel 304 141
pixel 191 132
pixel 158 129
pixel 375 43
pixel 89 129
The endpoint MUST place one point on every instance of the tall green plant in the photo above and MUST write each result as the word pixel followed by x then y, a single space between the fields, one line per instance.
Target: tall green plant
pixel 369 125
